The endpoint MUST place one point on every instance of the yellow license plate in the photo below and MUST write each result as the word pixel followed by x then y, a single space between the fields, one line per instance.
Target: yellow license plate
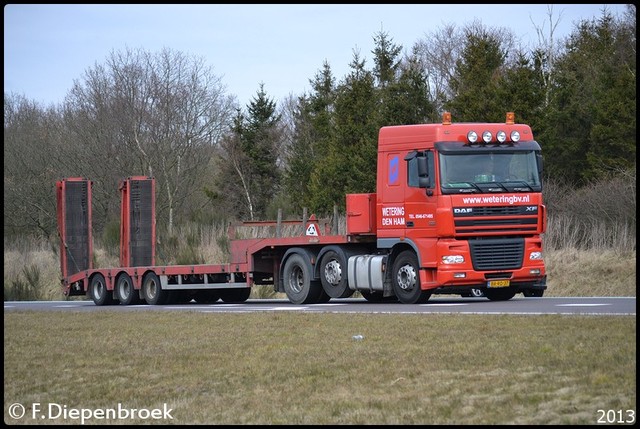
pixel 498 283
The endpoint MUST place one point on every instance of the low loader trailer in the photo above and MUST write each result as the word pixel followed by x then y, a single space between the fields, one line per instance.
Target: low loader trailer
pixel 458 208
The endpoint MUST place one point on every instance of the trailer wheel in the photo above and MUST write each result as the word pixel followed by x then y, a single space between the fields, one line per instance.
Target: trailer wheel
pixel 235 295
pixel 125 291
pixel 152 291
pixel 333 275
pixel 98 291
pixel 298 286
pixel 500 294
pixel 406 279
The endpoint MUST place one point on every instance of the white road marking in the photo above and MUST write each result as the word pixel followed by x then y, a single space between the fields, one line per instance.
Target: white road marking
pixel 580 305
pixel 444 304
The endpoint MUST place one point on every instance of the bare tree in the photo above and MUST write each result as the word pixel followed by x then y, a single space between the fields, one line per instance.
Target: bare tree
pixel 236 164
pixel 547 52
pixel 437 54
pixel 158 115
pixel 288 109
pixel 31 162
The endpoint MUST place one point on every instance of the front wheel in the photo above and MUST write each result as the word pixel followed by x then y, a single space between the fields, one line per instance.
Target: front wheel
pixel 406 279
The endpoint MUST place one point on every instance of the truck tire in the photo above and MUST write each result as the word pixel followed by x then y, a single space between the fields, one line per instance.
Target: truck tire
pixel 405 278
pixel 98 291
pixel 124 290
pixel 152 291
pixel 235 295
pixel 298 286
pixel 533 293
pixel 334 274
pixel 500 294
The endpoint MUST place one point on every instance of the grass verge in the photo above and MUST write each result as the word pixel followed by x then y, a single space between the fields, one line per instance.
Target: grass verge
pixel 297 368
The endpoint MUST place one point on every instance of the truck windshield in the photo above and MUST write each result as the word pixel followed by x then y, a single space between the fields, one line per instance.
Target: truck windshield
pixel 489 172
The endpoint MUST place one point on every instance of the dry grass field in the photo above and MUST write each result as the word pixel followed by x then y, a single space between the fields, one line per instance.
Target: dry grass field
pixel 297 368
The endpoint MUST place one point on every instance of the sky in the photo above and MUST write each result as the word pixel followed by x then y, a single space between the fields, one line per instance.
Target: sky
pixel 47 46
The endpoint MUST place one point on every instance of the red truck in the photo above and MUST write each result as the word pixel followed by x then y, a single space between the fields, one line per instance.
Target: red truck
pixel 458 208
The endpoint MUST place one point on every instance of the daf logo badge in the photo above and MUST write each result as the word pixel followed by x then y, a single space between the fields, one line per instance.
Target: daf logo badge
pixel 458 210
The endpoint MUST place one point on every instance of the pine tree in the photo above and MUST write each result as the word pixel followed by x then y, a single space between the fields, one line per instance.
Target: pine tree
pixel 311 136
pixel 249 173
pixel 349 164
pixel 477 77
pixel 590 128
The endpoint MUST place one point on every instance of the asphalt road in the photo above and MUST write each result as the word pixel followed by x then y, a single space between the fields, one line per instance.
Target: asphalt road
pixel 611 306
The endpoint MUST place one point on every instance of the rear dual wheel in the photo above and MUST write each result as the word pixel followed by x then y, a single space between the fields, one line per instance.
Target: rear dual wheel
pixel 334 274
pixel 152 291
pixel 125 292
pixel 98 291
pixel 298 283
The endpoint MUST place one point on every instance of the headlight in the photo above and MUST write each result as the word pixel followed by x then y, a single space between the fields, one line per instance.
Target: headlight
pixel 487 136
pixel 472 136
pixel 535 256
pixel 453 259
pixel 501 136
pixel 515 136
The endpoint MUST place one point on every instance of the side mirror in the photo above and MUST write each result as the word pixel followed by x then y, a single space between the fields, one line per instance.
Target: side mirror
pixel 422 164
pixel 423 172
pixel 423 169
pixel 540 163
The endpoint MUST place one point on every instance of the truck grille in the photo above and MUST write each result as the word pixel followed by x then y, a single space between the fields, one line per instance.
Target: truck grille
pixel 497 254
pixel 503 220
